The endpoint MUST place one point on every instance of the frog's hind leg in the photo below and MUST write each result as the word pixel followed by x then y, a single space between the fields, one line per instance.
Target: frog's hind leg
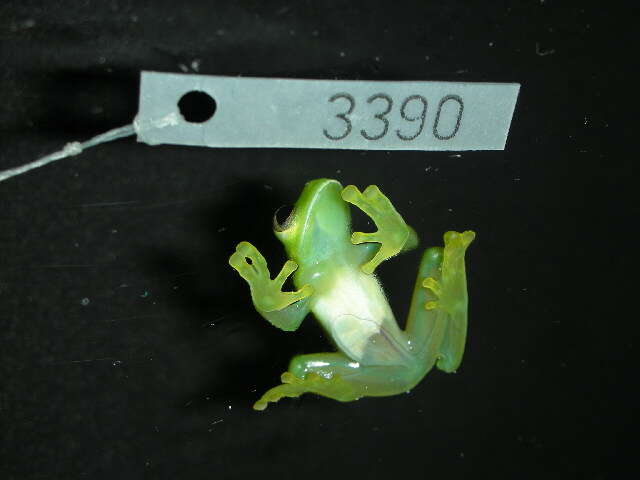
pixel 336 376
pixel 437 322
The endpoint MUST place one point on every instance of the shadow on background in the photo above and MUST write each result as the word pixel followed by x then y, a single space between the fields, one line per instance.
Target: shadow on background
pixel 246 354
pixel 80 102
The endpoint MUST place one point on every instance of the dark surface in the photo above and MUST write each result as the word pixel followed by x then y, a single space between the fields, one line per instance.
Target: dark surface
pixel 130 348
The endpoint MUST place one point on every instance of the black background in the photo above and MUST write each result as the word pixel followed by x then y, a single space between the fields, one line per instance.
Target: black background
pixel 130 349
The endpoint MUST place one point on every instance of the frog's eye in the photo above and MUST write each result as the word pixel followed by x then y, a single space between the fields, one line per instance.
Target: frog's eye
pixel 283 218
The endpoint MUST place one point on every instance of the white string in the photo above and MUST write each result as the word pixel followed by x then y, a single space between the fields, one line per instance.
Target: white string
pixel 70 149
pixel 75 148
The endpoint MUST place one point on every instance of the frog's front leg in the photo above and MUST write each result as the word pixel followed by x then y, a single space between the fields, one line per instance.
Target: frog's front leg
pixel 393 235
pixel 336 376
pixel 285 310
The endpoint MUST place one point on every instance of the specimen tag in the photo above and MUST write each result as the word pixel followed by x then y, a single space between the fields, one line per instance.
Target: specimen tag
pixel 216 111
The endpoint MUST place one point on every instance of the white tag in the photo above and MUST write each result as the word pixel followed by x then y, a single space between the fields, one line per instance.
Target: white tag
pixel 329 114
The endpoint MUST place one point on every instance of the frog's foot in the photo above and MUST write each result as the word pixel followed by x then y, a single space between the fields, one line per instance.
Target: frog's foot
pixel 450 289
pixel 455 246
pixel 292 386
pixel 267 294
pixel 393 234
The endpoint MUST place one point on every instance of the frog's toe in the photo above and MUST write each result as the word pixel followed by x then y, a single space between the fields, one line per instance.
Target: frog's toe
pixel 377 199
pixel 304 292
pixel 371 192
pixel 467 237
pixel 459 240
pixel 433 285
pixel 288 298
pixel 239 262
pixel 290 387
pixel 383 253
pixel 432 305
pixel 288 268
pixel 251 255
pixel 351 194
pixel 361 237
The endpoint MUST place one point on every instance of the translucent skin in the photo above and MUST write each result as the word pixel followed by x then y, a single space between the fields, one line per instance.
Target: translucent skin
pixel 334 277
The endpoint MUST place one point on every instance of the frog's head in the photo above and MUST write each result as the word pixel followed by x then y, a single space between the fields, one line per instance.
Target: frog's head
pixel 317 226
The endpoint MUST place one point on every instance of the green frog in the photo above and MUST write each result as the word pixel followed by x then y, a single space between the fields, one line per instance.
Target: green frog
pixel 334 276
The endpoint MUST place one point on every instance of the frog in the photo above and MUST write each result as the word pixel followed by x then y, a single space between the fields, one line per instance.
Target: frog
pixel 333 272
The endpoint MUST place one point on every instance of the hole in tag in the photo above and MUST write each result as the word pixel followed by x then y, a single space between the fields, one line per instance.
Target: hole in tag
pixel 197 106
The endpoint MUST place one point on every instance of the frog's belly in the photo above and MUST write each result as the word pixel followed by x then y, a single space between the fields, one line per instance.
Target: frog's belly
pixel 353 310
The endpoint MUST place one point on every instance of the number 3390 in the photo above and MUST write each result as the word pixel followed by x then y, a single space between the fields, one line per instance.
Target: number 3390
pixel 413 111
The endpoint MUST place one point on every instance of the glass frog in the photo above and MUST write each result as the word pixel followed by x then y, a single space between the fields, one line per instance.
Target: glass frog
pixel 333 272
